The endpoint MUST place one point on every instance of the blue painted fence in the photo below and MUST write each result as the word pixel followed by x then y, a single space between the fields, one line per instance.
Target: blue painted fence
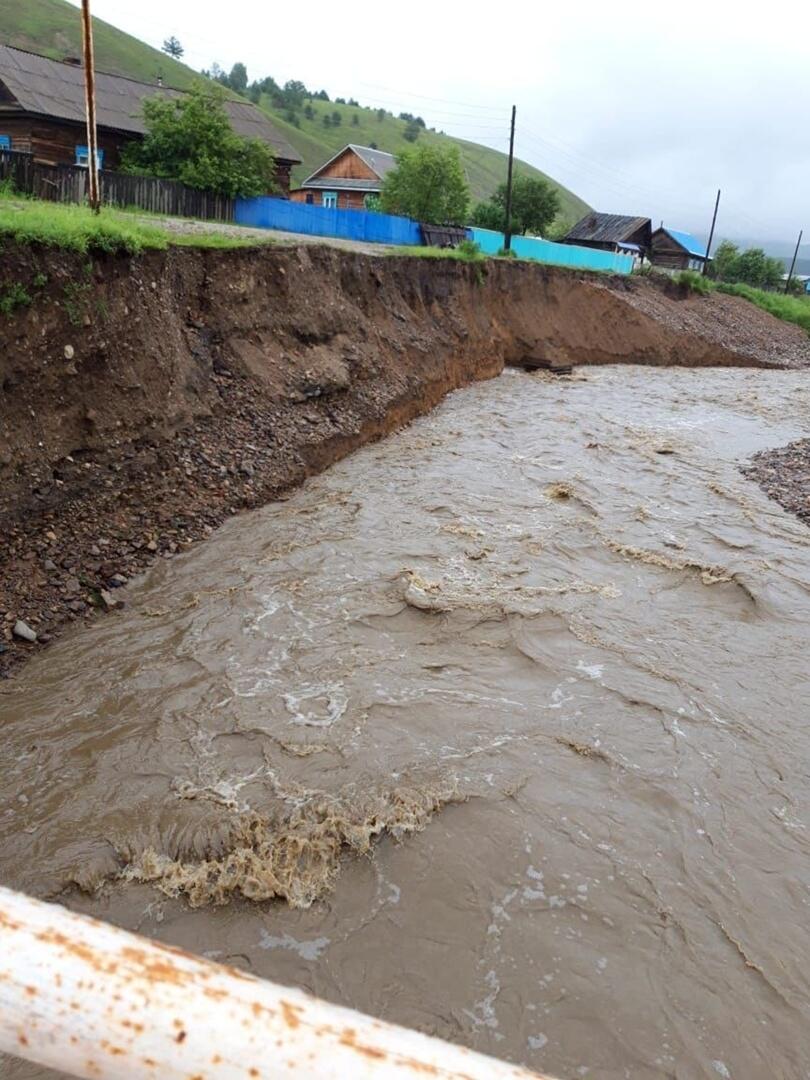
pixel 531 247
pixel 268 213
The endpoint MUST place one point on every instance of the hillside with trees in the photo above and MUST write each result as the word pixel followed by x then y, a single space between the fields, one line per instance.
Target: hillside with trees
pixel 315 125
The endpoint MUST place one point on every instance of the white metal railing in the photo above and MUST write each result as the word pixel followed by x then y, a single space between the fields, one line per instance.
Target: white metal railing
pixel 89 999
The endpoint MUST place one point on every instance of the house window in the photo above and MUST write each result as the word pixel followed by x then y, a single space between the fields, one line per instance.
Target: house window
pixel 5 142
pixel 83 157
pixel 330 199
pixel 310 199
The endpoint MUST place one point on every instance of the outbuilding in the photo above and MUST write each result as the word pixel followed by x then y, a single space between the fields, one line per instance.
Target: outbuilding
pixel 612 232
pixel 676 250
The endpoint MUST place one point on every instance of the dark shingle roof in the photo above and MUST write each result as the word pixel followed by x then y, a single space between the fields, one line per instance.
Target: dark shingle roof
pixel 378 161
pixel 52 88
pixel 606 228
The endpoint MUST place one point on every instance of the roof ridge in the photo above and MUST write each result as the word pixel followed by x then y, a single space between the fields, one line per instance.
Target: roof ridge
pixel 102 71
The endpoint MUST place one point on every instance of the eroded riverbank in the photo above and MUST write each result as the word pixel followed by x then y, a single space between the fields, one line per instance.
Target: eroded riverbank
pixel 551 628
pixel 144 401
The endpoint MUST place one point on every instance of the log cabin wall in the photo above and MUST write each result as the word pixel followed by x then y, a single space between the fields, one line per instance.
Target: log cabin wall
pixel 54 142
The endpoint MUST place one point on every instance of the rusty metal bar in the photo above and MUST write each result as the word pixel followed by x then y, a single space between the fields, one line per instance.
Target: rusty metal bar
pixel 98 1002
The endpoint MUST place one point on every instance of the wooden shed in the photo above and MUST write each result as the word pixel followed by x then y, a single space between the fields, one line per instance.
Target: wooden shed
pixel 348 179
pixel 676 250
pixel 42 113
pixel 612 232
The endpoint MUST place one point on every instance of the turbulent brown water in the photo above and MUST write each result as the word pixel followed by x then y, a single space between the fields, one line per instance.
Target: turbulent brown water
pixel 509 713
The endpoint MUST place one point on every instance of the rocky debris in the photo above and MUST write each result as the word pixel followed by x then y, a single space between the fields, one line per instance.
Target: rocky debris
pixel 784 475
pixel 729 322
pixel 23 631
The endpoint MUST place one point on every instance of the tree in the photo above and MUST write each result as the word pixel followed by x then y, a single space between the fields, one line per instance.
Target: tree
pixel 428 185
pixel 724 266
pixel 238 78
pixel 751 267
pixel 294 93
pixel 355 120
pixel 381 115
pixel 535 204
pixel 190 139
pixel 327 120
pixel 173 47
pixel 411 132
pixel 309 112
pixel 336 118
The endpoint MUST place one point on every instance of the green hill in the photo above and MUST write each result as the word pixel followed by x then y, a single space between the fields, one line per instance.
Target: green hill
pixel 485 168
pixel 52 27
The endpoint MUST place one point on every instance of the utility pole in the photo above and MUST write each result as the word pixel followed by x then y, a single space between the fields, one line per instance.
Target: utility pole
pixel 507 240
pixel 793 264
pixel 711 235
pixel 90 102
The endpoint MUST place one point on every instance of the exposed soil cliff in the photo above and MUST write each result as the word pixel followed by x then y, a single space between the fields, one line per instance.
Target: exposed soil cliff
pixel 142 400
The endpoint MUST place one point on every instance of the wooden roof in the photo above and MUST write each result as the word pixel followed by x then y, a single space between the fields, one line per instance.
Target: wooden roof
pixel 607 228
pixel 56 89
pixel 378 161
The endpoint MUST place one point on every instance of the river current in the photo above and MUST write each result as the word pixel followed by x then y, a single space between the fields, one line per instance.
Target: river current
pixel 497 729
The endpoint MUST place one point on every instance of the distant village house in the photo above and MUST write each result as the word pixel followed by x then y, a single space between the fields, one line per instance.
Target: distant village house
pixel 613 232
pixel 675 250
pixel 42 112
pixel 348 180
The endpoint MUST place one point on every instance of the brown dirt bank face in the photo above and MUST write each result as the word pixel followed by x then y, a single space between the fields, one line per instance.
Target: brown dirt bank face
pixel 144 400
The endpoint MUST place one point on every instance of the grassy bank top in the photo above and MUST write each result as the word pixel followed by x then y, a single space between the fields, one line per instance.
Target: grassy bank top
pixel 788 308
pixel 75 228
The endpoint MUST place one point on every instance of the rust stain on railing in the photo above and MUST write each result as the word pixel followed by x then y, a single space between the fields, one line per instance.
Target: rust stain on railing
pixel 98 1002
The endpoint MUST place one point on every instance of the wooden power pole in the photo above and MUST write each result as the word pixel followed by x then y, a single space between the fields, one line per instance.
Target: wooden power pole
pixel 711 235
pixel 507 240
pixel 793 263
pixel 90 103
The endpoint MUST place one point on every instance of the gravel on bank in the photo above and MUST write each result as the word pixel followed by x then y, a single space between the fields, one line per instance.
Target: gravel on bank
pixel 727 321
pixel 784 475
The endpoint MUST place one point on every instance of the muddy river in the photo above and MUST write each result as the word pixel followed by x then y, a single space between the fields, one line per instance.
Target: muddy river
pixel 498 729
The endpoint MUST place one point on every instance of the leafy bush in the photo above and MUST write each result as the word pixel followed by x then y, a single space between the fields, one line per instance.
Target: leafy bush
pixel 535 204
pixel 190 139
pixel 506 253
pixel 428 185
pixel 751 267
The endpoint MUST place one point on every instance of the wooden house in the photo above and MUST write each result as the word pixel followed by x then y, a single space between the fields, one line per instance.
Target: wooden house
pixel 612 232
pixel 42 112
pixel 675 250
pixel 347 180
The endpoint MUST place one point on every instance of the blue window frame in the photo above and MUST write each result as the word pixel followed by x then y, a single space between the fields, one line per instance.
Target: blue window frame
pixel 330 199
pixel 83 157
pixel 5 142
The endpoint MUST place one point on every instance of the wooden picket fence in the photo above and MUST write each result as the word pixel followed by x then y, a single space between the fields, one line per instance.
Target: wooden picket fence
pixel 68 184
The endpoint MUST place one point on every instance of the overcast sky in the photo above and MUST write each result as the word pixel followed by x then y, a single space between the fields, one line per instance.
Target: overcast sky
pixel 639 107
